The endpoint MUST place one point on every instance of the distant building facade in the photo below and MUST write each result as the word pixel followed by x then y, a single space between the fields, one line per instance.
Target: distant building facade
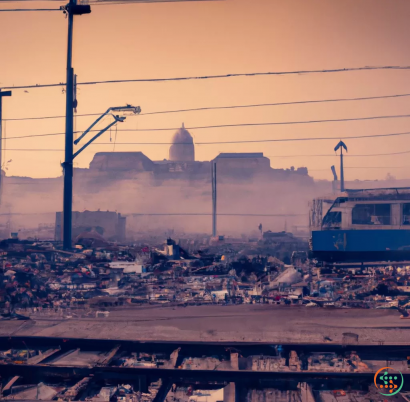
pixel 120 161
pixel 110 225
pixel 182 164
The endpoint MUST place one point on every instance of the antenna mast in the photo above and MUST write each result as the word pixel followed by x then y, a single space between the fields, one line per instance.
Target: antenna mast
pixel 341 145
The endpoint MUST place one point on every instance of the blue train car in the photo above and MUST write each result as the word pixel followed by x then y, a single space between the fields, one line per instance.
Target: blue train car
pixel 361 225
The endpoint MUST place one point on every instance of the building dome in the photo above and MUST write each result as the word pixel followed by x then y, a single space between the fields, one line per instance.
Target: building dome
pixel 182 148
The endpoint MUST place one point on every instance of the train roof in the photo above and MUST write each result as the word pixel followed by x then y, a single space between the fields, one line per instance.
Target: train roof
pixel 376 194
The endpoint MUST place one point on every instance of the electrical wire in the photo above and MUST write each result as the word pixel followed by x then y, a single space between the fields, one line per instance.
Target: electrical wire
pixel 164 214
pixel 39 135
pixel 207 77
pixel 352 137
pixel 108 2
pixel 276 123
pixel 35 149
pixel 363 167
pixel 113 2
pixel 51 117
pixel 228 142
pixel 98 3
pixel 335 155
pixel 208 214
pixel 268 156
pixel 28 9
pixel 277 104
pixel 37 1
pixel 226 107
pixel 254 125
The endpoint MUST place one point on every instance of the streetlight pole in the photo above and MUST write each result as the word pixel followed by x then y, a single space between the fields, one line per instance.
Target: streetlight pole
pixel 70 9
pixel 2 93
pixel 69 135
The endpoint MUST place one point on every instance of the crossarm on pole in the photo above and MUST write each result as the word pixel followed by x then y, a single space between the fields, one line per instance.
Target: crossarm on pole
pixel 95 137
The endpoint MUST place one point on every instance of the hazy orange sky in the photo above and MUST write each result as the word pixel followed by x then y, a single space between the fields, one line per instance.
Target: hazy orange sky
pixel 204 38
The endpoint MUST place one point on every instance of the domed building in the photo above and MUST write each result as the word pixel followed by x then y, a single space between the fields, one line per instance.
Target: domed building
pixel 182 165
pixel 182 148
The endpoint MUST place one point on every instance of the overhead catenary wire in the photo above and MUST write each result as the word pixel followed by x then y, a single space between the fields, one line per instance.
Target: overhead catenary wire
pixel 225 107
pixel 352 137
pixel 219 76
pixel 28 9
pixel 94 2
pixel 268 156
pixel 362 167
pixel 35 149
pixel 98 3
pixel 275 123
pixel 36 1
pixel 169 214
pixel 255 125
pixel 113 2
pixel 208 214
pixel 335 155
pixel 50 117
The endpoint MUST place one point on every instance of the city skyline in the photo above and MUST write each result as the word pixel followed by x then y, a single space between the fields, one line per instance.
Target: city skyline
pixel 207 38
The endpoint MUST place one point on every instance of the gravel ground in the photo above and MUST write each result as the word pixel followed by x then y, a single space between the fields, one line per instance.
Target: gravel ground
pixel 249 323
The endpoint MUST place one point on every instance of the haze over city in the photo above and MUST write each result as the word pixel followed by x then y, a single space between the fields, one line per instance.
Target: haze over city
pixel 204 200
pixel 166 40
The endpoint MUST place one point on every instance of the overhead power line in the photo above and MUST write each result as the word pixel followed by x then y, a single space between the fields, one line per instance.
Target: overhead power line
pixel 207 214
pixel 248 125
pixel 29 9
pixel 165 214
pixel 362 167
pixel 113 2
pixel 22 1
pixel 268 156
pixel 52 117
pixel 207 77
pixel 335 155
pixel 352 137
pixel 275 123
pixel 35 149
pixel 225 107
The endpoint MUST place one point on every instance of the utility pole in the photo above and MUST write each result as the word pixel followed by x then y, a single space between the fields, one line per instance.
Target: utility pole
pixel 341 145
pixel 70 10
pixel 2 93
pixel 214 199
pixel 334 182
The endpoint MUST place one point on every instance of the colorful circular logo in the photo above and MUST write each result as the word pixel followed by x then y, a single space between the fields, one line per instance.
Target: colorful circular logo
pixel 388 381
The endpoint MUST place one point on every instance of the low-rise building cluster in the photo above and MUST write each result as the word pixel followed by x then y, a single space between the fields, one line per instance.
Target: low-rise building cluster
pixel 40 278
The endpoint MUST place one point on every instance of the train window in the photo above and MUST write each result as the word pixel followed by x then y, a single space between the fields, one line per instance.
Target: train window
pixel 406 214
pixel 332 220
pixel 371 214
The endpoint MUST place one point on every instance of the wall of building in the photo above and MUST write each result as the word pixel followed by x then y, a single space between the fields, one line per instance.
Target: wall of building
pixel 121 161
pixel 112 224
